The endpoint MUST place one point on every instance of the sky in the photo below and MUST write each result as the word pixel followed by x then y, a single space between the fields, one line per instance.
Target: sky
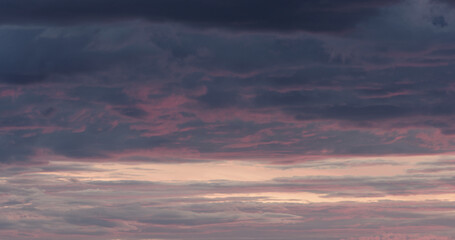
pixel 227 119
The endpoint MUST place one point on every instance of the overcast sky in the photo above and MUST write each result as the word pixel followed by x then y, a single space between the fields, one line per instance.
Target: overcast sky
pixel 227 119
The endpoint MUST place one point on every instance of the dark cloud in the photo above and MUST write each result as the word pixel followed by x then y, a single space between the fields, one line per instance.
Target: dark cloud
pixel 293 98
pixel 311 77
pixel 439 21
pixel 96 140
pixel 431 170
pixel 132 112
pixel 313 15
pixel 373 112
pixel 33 55
pixel 106 95
pixel 48 111
pixel 89 221
pixel 244 53
pixel 15 148
pixel 20 79
pixel 188 218
pixel 339 164
pixel 215 98
pixel 105 88
pixel 5 224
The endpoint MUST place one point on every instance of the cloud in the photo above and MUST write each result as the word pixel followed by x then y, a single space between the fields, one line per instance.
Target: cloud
pixel 289 15
pixel 439 21
pixel 173 119
pixel 398 236
pixel 202 100
pixel 48 197
pixel 38 54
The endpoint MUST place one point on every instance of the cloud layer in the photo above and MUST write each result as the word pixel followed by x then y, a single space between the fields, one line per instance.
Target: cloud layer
pixel 227 119
pixel 288 15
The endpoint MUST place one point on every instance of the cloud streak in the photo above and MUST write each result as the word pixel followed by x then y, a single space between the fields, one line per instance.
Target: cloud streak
pixel 172 209
pixel 237 15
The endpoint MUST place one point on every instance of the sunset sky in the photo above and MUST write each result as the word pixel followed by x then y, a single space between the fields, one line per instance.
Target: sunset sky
pixel 227 119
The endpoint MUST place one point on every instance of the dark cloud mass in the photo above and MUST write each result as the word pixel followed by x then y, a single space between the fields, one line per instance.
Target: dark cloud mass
pixel 312 15
pixel 100 87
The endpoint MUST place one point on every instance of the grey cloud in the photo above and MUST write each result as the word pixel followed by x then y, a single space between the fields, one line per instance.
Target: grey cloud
pixel 109 95
pixel 133 112
pixel 373 112
pixel 338 164
pixel 296 75
pixel 271 99
pixel 439 21
pixel 88 221
pixel 34 57
pixel 220 99
pixel 95 141
pixel 289 15
pixel 157 214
